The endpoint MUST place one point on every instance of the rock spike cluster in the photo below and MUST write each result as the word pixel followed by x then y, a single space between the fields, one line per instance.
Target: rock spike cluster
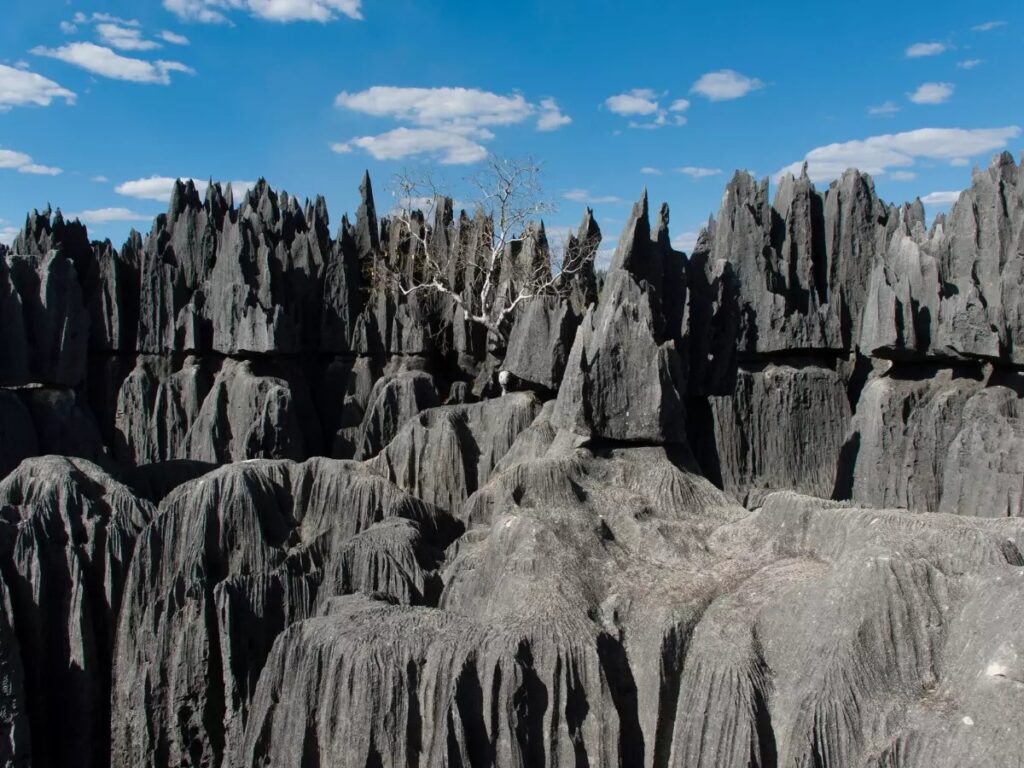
pixel 759 504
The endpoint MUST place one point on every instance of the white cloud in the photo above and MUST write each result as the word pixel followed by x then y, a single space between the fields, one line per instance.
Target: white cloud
pixel 100 179
pixel 988 26
pixel 696 172
pixel 643 102
pixel 459 109
pixel 106 215
pixel 160 187
pixel 22 163
pixel 902 175
pixel 173 38
pixel 931 93
pixel 216 11
pixel 584 196
pixel 125 38
pixel 639 101
pixel 7 234
pixel 450 147
pixel 920 50
pixel 551 117
pixel 940 198
pixel 650 171
pixel 685 241
pixel 68 28
pixel 104 62
pixel 81 18
pixel 449 123
pixel 724 85
pixel 888 108
pixel 968 63
pixel 878 154
pixel 19 88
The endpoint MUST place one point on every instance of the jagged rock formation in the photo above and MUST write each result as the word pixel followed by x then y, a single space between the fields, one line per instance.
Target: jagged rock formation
pixel 231 560
pixel 69 531
pixel 828 282
pixel 758 505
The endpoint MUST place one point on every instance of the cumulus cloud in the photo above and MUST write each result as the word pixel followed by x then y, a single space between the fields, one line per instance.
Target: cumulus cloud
pixel 19 87
pixel 173 38
pixel 22 163
pixel 447 123
pixel 106 215
pixel 644 102
pixel 639 101
pixel 932 93
pixel 94 18
pixel 551 116
pixel 648 170
pixel 160 187
pixel 988 26
pixel 888 108
pixel 124 38
pixel 449 147
pixel 725 85
pixel 584 196
pixel 685 241
pixel 7 233
pixel 105 62
pixel 941 198
pixel 877 155
pixel 217 11
pixel 920 50
pixel 695 172
pixel 902 175
pixel 968 63
pixel 461 109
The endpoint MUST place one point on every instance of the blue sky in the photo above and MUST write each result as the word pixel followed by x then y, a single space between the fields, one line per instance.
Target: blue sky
pixel 101 103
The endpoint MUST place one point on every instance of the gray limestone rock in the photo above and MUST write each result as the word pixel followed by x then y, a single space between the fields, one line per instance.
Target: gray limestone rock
pixel 18 438
pixel 54 321
pixel 781 429
pixel 624 377
pixel 231 559
pixel 393 401
pixel 15 735
pixel 72 530
pixel 444 454
pixel 253 413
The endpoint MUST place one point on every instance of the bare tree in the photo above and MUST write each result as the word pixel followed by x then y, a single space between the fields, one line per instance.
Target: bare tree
pixel 509 264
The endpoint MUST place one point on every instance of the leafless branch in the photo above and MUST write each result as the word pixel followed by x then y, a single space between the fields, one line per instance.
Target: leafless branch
pixel 488 277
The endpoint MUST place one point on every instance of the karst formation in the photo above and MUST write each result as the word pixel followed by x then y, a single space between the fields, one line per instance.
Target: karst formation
pixel 761 504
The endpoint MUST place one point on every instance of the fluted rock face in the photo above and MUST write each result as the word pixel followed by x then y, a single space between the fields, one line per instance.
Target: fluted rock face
pixel 70 531
pixel 45 318
pixel 782 429
pixel 614 609
pixel 393 401
pixel 951 442
pixel 232 559
pixel 444 454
